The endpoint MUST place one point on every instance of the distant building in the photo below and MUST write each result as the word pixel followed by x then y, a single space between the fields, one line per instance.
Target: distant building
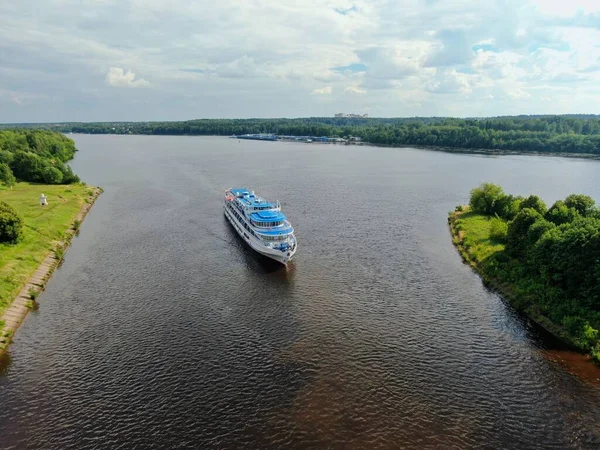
pixel 351 116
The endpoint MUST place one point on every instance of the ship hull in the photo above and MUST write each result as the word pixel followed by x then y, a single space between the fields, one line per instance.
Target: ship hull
pixel 256 245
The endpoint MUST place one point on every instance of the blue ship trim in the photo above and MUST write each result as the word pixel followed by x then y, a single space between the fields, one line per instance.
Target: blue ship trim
pixel 261 224
pixel 268 216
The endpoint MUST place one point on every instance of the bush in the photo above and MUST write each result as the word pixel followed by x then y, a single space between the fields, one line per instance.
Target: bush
pixel 52 175
pixel 583 204
pixel 537 230
pixel 68 176
pixel 517 231
pixel 484 198
pixel 534 202
pixel 498 229
pixel 560 213
pixel 11 224
pixel 507 206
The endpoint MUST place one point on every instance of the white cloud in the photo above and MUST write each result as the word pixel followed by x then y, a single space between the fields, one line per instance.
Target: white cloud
pixel 233 59
pixel 449 82
pixel 117 77
pixel 243 67
pixel 327 90
pixel 516 93
pixel 355 90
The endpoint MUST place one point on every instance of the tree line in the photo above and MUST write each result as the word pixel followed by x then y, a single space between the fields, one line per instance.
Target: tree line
pixel 544 134
pixel 36 155
pixel 551 255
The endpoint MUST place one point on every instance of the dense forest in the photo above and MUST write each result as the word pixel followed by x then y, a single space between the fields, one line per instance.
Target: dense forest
pixel 549 256
pixel 544 134
pixel 35 155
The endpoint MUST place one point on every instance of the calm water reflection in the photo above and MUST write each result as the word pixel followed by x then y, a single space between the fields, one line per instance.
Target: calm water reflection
pixel 162 329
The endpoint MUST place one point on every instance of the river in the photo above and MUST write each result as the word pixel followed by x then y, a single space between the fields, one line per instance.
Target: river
pixel 162 329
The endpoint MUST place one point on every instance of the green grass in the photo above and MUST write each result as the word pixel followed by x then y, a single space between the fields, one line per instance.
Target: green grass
pixel 524 291
pixel 475 232
pixel 44 227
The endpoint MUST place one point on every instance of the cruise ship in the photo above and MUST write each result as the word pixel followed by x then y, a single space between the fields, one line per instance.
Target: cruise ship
pixel 260 224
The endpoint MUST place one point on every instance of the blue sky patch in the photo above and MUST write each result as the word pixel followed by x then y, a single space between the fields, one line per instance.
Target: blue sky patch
pixel 466 70
pixel 345 12
pixel 485 48
pixel 561 46
pixel 355 67
pixel 194 70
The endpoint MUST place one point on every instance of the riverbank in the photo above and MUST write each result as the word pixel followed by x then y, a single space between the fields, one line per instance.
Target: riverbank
pixel 433 148
pixel 471 234
pixel 26 267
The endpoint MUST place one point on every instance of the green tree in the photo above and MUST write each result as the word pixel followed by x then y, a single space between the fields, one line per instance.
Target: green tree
pixel 485 197
pixel 6 157
pixel 537 230
pixel 28 166
pixel 560 213
pixel 52 175
pixel 68 176
pixel 583 204
pixel 518 228
pixel 11 224
pixel 507 206
pixel 6 175
pixel 534 202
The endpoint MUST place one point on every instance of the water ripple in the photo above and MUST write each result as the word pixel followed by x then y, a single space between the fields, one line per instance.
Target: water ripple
pixel 162 329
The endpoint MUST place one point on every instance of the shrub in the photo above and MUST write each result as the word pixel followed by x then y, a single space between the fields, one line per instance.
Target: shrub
pixel 534 202
pixel 507 206
pixel 68 176
pixel 498 229
pixel 583 204
pixel 537 229
pixel 517 231
pixel 560 213
pixel 52 175
pixel 11 224
pixel 484 197
pixel 589 335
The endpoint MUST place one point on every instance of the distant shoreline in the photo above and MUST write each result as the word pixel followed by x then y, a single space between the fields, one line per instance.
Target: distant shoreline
pixel 577 135
pixel 458 150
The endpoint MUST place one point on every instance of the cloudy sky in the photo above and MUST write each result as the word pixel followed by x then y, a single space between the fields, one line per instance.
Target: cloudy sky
pixel 102 60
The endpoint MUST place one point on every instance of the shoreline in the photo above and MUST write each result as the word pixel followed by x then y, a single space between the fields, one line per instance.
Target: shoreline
pixel 562 350
pixel 434 148
pixel 25 300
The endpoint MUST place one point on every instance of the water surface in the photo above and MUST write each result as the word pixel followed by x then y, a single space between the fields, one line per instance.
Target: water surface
pixel 161 329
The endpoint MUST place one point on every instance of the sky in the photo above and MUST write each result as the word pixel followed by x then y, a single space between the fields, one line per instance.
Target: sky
pixel 138 60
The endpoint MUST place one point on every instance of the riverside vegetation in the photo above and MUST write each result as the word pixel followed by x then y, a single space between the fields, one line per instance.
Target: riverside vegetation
pixel 545 261
pixel 29 232
pixel 567 134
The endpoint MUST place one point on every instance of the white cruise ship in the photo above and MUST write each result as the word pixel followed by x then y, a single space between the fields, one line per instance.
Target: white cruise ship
pixel 260 224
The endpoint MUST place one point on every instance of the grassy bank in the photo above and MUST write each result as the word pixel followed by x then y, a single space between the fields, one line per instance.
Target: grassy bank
pixel 472 236
pixel 44 228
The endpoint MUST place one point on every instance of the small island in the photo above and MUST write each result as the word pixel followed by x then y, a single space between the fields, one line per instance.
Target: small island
pixel 544 261
pixel 42 205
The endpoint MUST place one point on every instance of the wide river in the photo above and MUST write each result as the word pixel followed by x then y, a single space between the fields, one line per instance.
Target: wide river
pixel 162 329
